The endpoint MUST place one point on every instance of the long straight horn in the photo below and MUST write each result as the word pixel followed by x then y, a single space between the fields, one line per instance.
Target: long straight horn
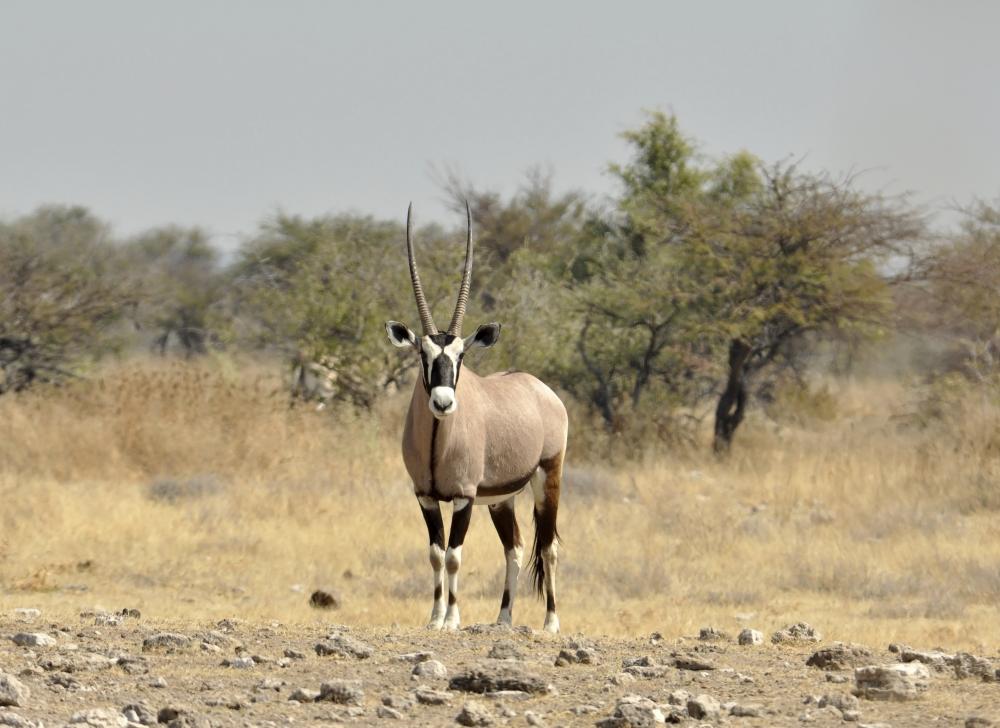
pixel 455 329
pixel 418 290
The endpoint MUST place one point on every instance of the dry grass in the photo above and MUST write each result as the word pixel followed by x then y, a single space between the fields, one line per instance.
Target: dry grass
pixel 192 491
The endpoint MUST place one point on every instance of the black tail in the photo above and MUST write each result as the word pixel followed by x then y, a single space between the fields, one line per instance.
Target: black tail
pixel 545 533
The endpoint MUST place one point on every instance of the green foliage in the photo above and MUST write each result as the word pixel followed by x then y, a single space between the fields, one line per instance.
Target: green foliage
pixel 179 274
pixel 62 290
pixel 324 288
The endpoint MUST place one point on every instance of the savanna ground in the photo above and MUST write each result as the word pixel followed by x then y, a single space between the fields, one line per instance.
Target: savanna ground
pixel 194 494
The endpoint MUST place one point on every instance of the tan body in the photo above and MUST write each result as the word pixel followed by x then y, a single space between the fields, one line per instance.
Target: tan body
pixel 505 426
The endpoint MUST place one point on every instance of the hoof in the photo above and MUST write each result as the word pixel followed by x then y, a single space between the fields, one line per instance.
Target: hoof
pixel 435 624
pixel 551 624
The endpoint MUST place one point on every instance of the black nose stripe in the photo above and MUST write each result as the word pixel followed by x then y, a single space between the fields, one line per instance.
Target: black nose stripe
pixel 442 372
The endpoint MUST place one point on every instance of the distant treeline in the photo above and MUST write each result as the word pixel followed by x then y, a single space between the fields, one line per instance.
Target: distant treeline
pixel 704 281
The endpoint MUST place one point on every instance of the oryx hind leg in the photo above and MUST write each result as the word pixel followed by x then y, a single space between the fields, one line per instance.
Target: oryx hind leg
pixel 505 521
pixel 546 556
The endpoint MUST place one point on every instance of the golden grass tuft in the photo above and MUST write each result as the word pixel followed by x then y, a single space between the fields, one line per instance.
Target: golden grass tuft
pixel 193 491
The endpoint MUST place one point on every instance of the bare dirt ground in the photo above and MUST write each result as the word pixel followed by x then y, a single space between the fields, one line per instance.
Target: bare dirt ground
pixel 238 673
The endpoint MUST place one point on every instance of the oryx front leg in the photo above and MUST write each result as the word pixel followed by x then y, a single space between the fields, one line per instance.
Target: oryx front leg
pixel 453 557
pixel 505 521
pixel 435 529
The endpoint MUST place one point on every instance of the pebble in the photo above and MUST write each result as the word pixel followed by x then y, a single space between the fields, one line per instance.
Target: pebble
pixel 474 713
pixel 33 639
pixel 13 693
pixel 750 637
pixel 433 669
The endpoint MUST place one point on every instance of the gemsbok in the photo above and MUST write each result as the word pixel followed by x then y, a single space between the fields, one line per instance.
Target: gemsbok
pixel 508 428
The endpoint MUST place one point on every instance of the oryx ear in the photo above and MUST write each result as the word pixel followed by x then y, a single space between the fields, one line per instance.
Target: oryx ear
pixel 485 336
pixel 400 334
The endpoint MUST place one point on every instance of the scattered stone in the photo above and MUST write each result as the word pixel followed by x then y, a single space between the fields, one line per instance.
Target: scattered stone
pixel 841 701
pixel 14 720
pixel 746 711
pixel 655 638
pixel 209 647
pixel 168 641
pixel 967 665
pixel 622 678
pixel 534 719
pixel 177 716
pixel 505 650
pixel 342 692
pixel 633 711
pixel 133 664
pixel 711 634
pixel 689 662
pixel 431 669
pixel 322 599
pixel 294 654
pixel 644 667
pixel 13 693
pixel 834 678
pixel 158 682
pixel 798 632
pixel 384 711
pixel 750 637
pixel 976 721
pixel 27 614
pixel 396 702
pixel 33 639
pixel 304 695
pixel 426 696
pixel 899 681
pixel 679 697
pixel 99 718
pixel 339 645
pixel 586 709
pixel 935 658
pixel 64 681
pixel 239 663
pixel 415 657
pixel 580 656
pixel 840 656
pixel 139 713
pixel 851 716
pixel 474 713
pixel 270 683
pixel 704 707
pixel 498 676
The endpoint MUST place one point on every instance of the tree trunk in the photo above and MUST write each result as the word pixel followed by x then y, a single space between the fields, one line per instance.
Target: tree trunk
pixel 733 401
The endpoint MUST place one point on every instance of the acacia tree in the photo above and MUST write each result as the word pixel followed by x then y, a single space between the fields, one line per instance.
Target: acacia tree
pixel 181 281
pixel 803 257
pixel 62 291
pixel 322 288
pixel 717 270
pixel 960 293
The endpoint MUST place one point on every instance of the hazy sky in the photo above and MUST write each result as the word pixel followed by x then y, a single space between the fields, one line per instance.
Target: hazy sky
pixel 218 113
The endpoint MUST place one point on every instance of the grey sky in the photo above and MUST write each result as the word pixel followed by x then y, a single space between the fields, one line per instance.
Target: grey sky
pixel 219 113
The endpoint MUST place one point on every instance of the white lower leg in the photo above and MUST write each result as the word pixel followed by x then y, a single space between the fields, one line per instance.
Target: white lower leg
pixel 452 560
pixel 437 558
pixel 550 559
pixel 510 585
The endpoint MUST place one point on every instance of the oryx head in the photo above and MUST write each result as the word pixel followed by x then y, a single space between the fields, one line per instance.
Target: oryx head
pixel 441 353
